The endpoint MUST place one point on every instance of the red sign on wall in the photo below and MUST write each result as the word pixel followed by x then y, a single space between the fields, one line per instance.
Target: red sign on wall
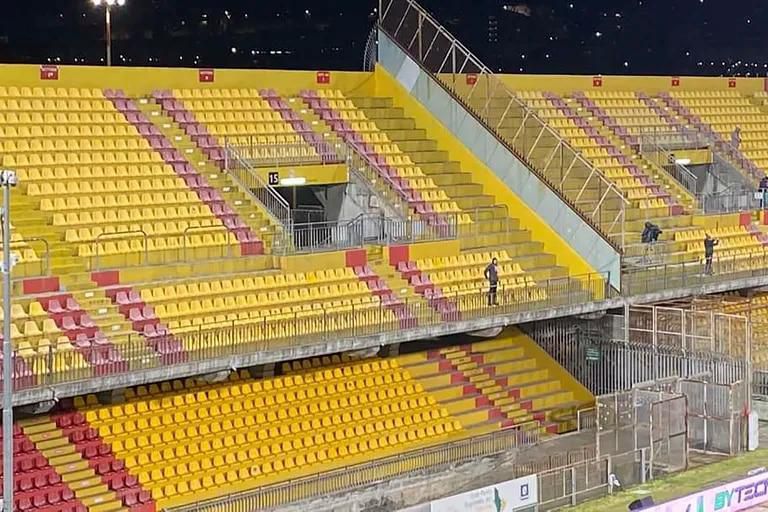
pixel 206 75
pixel 731 83
pixel 323 77
pixel 49 72
pixel 471 79
pixel 675 81
pixel 597 81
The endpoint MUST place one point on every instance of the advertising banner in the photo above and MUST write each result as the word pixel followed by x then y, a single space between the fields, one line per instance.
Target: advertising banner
pixel 739 495
pixel 503 497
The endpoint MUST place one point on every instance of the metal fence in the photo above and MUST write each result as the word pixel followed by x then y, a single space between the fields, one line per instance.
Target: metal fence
pixel 655 277
pixel 293 331
pixel 258 153
pixel 528 136
pixel 434 458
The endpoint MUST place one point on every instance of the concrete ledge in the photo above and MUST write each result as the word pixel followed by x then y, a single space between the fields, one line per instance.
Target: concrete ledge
pixel 191 369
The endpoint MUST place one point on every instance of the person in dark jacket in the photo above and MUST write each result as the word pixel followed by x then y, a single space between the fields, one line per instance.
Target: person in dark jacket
pixel 492 275
pixel 650 233
pixel 709 251
pixel 763 189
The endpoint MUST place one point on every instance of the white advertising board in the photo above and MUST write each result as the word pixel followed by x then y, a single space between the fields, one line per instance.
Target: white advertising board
pixel 731 497
pixel 503 497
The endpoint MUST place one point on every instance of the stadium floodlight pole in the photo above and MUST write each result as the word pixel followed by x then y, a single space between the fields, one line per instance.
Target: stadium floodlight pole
pixel 7 180
pixel 108 4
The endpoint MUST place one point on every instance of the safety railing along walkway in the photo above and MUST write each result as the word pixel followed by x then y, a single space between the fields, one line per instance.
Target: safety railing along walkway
pixel 577 182
pixel 303 329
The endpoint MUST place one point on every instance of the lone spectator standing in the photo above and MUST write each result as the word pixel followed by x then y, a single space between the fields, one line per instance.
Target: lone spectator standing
pixel 709 251
pixel 492 275
pixel 736 137
pixel 650 233
pixel 763 189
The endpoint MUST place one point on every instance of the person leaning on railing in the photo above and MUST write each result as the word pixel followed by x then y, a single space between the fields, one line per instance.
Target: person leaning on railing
pixel 491 273
pixel 709 252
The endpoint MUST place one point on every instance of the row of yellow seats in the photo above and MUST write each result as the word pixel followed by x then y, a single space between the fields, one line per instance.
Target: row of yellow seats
pixel 31 329
pixel 330 94
pixel 220 104
pixel 119 199
pixel 376 138
pixel 282 323
pixel 44 346
pixel 95 172
pixel 248 284
pixel 216 437
pixel 257 399
pixel 112 144
pixel 215 92
pixel 598 152
pixel 264 300
pixel 730 110
pixel 610 94
pixel 627 103
pixel 612 169
pixel 713 102
pixel 341 104
pixel 161 227
pixel 71 187
pixel 227 476
pixel 636 193
pixel 527 95
pixel 399 160
pixel 352 115
pixel 462 260
pixel 732 242
pixel 51 105
pixel 228 129
pixel 25 255
pixel 84 118
pixel 363 127
pixel 240 117
pixel 469 274
pixel 167 243
pixel 218 433
pixel 18 312
pixel 716 232
pixel 161 213
pixel 561 122
pixel 705 94
pixel 434 195
pixel 52 131
pixel 361 304
pixel 627 183
pixel 74 159
pixel 49 92
pixel 653 204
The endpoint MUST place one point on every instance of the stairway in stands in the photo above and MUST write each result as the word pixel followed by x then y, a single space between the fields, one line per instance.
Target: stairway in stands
pixel 492 385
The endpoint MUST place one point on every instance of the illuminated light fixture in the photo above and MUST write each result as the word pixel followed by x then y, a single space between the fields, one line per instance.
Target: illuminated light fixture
pixel 682 161
pixel 108 4
pixel 293 182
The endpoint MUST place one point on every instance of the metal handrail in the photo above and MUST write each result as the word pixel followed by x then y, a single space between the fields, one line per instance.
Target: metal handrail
pixel 348 477
pixel 609 229
pixel 665 160
pixel 186 231
pixel 273 334
pixel 121 235
pixel 46 268
pixel 248 151
pixel 359 168
pixel 249 181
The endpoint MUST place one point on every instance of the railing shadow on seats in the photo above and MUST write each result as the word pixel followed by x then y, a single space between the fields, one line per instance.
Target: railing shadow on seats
pixel 305 329
pixel 473 85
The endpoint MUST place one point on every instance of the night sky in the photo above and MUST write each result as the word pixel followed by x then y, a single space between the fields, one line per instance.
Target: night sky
pixel 708 37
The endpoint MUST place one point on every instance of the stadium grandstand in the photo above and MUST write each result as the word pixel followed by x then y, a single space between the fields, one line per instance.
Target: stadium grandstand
pixel 239 290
